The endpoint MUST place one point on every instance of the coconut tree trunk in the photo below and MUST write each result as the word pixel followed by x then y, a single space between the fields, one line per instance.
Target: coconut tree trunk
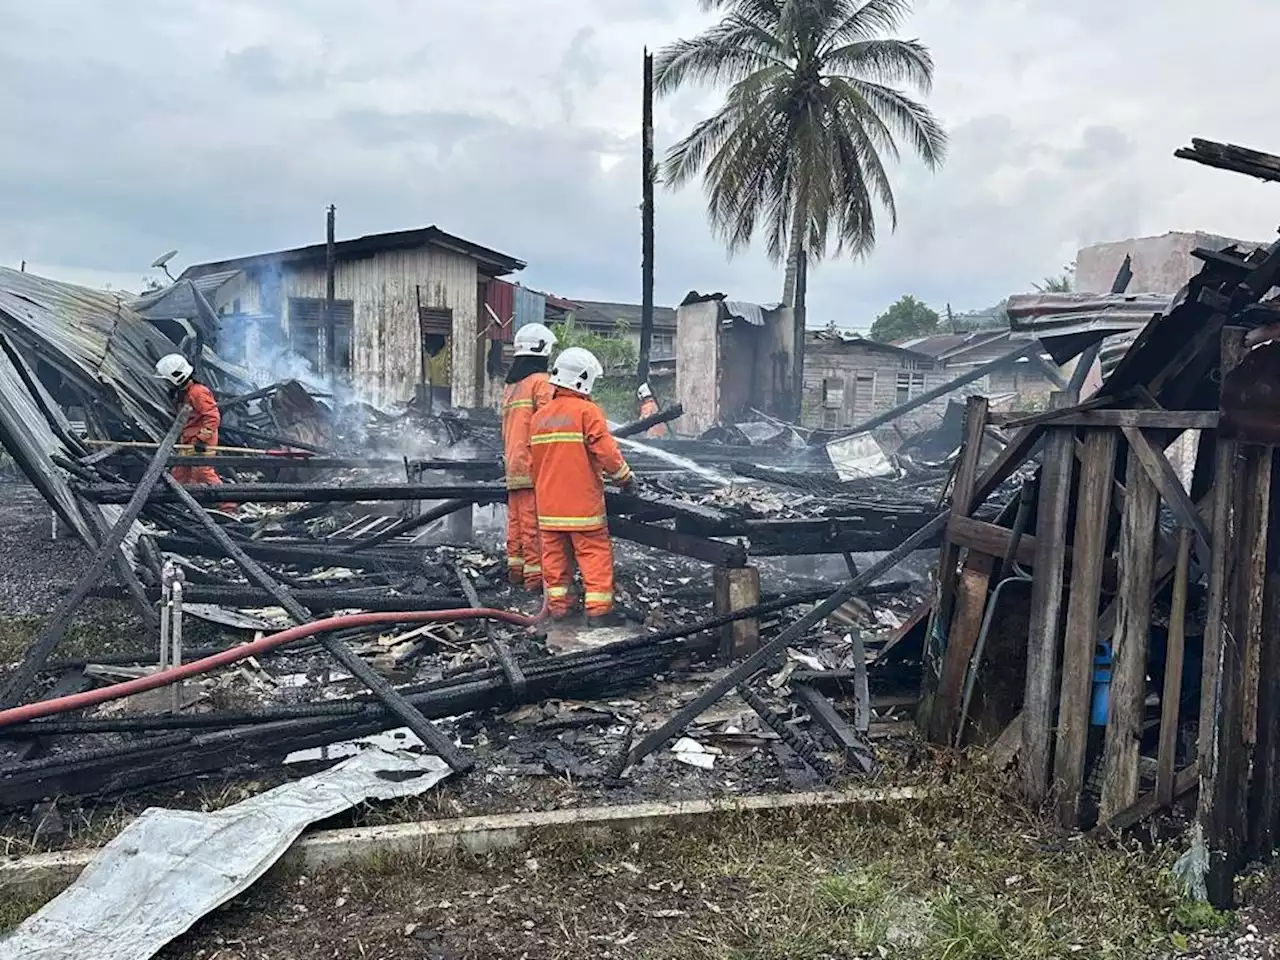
pixel 795 281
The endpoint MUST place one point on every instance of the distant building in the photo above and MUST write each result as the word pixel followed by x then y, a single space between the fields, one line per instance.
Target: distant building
pixel 400 298
pixel 849 379
pixel 621 320
pixel 1030 377
pixel 1160 264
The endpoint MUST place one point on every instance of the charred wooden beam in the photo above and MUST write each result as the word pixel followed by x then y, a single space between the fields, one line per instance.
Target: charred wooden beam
pixel 317 599
pixel 643 424
pixel 295 552
pixel 710 551
pixel 304 493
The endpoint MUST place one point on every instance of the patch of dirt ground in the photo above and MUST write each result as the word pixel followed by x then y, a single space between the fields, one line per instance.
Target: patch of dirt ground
pixel 959 876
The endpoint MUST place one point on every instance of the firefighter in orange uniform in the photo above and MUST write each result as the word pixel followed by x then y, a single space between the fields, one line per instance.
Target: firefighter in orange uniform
pixel 648 407
pixel 201 432
pixel 528 390
pixel 573 452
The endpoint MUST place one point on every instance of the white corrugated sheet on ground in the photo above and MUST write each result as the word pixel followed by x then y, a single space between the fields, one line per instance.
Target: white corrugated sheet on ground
pixel 858 457
pixel 169 868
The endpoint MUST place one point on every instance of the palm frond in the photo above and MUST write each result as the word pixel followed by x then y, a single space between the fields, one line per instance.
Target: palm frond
pixel 909 118
pixel 884 61
pixel 727 53
pixel 872 18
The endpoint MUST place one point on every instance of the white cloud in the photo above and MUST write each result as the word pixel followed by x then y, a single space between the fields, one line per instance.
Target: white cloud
pixel 225 126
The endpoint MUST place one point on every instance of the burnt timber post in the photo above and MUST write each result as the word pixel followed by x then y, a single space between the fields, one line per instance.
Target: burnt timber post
pixel 330 334
pixel 737 589
pixel 646 223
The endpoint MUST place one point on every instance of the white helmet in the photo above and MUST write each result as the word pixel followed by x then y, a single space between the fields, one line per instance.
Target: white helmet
pixel 576 369
pixel 534 340
pixel 643 391
pixel 174 369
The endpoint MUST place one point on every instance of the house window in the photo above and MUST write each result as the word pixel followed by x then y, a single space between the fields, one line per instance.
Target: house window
pixel 307 332
pixel 832 401
pixel 864 394
pixel 663 347
pixel 909 385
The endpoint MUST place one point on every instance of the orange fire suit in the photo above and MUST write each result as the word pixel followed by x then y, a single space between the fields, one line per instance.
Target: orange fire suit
pixel 524 550
pixel 572 453
pixel 202 427
pixel 648 407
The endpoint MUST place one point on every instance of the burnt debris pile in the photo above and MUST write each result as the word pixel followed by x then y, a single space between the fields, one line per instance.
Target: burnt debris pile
pixel 345 582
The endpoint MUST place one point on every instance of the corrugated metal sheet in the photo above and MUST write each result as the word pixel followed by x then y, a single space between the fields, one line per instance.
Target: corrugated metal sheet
pixel 531 307
pixel 1067 322
pixel 102 348
pixel 500 298
pixel 1046 315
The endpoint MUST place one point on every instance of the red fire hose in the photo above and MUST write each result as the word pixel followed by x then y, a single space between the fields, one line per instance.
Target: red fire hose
pixel 91 698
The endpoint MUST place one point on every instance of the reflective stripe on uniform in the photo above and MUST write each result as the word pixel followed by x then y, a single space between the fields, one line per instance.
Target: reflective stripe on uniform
pixel 557 437
pixel 519 482
pixel 518 403
pixel 515 561
pixel 569 521
pixel 557 591
pixel 533 568
pixel 621 474
pixel 598 597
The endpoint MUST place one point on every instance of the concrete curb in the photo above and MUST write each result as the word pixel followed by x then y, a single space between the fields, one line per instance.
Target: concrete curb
pixel 43 873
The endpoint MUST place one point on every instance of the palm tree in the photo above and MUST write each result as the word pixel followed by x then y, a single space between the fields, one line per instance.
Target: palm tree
pixel 813 108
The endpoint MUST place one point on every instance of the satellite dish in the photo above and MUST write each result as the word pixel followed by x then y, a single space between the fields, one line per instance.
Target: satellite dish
pixel 161 262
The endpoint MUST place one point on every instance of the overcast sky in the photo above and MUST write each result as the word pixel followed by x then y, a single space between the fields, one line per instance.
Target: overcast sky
pixel 224 127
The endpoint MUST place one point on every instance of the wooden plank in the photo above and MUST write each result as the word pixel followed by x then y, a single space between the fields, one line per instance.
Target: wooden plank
pixel 990 539
pixel 1219 708
pixel 737 589
pixel 1174 656
pixel 1129 649
pixel 1138 419
pixel 1021 447
pixel 1183 783
pixel 1046 606
pixel 937 654
pixel 970 604
pixel 1171 490
pixel 1251 538
pixel 1264 788
pixel 1079 646
pixel 961 501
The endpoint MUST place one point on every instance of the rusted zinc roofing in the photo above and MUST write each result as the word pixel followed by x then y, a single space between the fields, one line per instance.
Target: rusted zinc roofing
pixel 1067 322
pixel 103 350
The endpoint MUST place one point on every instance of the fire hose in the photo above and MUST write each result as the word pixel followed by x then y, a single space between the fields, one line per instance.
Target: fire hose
pixel 162 678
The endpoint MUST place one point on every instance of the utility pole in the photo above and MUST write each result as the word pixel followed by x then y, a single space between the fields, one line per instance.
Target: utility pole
pixel 330 339
pixel 646 223
pixel 801 319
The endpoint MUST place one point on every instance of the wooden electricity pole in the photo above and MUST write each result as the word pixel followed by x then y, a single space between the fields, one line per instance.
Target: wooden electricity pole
pixel 646 224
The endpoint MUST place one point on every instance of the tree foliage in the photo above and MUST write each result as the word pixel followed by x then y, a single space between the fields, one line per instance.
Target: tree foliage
pixel 615 352
pixel 907 318
pixel 815 105
pixel 1063 282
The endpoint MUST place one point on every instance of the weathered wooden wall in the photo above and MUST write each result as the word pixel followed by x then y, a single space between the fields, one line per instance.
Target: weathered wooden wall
pixel 386 336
